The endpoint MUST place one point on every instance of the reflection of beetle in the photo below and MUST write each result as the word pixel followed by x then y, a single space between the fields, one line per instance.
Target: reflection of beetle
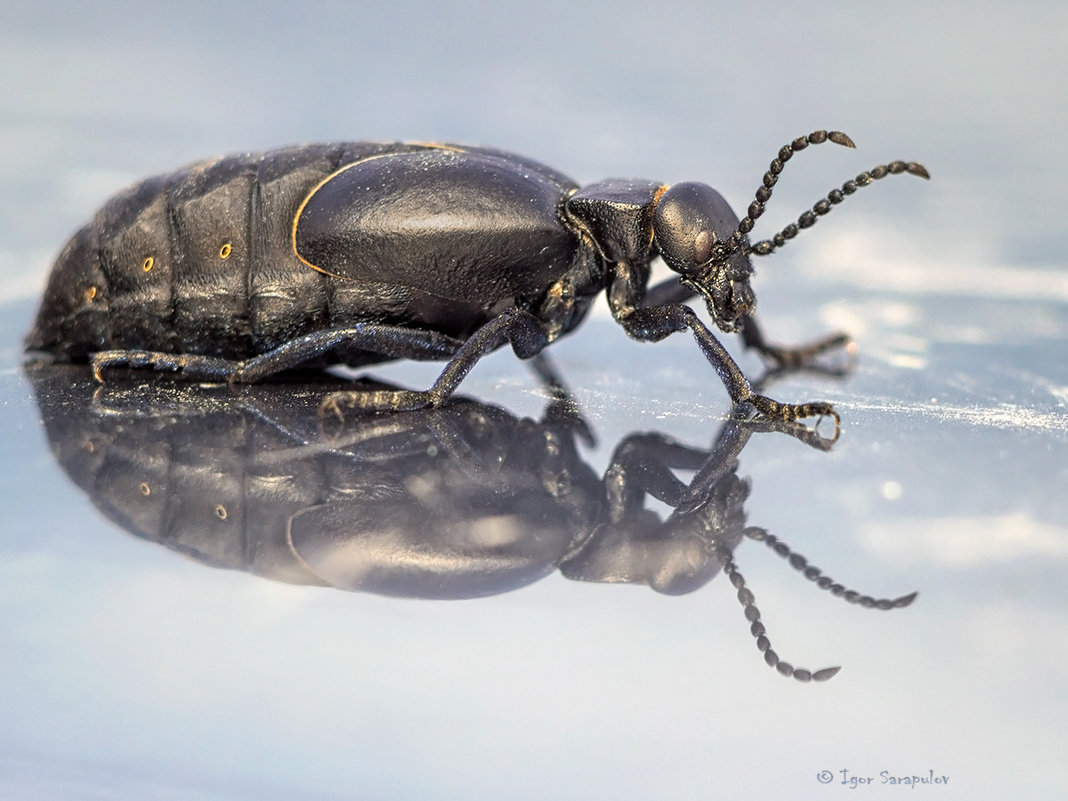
pixel 456 502
pixel 242 267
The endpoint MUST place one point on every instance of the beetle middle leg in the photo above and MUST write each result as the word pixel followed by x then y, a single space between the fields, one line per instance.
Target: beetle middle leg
pixel 520 328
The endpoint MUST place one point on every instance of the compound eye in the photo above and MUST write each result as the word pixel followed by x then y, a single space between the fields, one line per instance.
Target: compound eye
pixel 702 246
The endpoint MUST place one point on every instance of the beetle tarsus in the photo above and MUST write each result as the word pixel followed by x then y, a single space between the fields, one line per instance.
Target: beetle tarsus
pixel 784 359
pixel 790 412
pixel 206 368
pixel 401 400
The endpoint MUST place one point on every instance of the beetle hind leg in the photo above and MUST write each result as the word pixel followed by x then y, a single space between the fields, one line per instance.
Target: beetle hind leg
pixel 383 341
pixel 203 367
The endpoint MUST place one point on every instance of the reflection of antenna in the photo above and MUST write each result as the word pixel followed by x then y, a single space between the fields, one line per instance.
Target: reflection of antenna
pixel 811 572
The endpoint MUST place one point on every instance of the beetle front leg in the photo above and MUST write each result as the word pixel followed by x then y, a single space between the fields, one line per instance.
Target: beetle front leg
pixel 520 328
pixel 654 323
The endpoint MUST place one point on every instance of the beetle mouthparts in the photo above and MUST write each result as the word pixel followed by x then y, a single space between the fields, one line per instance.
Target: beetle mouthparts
pixel 699 287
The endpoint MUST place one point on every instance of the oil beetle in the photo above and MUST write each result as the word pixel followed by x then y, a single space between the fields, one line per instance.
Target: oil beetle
pixel 238 268
pixel 461 501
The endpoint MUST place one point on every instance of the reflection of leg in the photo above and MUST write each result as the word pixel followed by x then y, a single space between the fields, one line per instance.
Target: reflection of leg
pixel 563 410
pixel 642 464
pixel 518 327
pixel 654 323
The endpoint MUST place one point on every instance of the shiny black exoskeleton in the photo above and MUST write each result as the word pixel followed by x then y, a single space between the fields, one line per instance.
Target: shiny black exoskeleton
pixel 239 268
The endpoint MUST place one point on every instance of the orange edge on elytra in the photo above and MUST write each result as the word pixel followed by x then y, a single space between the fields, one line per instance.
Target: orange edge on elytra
pixel 330 177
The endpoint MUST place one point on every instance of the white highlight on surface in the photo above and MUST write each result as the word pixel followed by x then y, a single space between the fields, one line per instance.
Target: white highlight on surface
pixel 1004 415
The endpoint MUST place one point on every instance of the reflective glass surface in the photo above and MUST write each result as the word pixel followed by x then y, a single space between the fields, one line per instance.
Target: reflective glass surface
pixel 213 594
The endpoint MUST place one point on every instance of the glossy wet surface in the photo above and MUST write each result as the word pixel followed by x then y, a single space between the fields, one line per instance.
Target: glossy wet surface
pixel 204 595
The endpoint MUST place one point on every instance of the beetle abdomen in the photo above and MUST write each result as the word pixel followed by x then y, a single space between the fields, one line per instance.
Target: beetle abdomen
pixel 211 259
pixel 192 262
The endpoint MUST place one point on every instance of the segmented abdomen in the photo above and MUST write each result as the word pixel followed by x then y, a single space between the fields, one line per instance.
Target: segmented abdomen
pixel 199 261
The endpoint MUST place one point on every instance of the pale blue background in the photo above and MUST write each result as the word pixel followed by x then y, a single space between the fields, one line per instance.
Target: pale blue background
pixel 127 672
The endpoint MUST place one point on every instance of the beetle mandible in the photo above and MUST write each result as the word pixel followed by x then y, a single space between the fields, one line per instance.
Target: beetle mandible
pixel 238 268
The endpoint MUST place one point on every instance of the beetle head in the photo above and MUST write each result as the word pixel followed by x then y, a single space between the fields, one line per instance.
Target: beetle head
pixel 702 240
pixel 695 231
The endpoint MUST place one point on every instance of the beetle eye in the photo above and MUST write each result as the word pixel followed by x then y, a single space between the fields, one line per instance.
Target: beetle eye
pixel 702 246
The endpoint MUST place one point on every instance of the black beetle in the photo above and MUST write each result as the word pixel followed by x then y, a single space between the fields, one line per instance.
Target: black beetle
pixel 241 267
pixel 461 501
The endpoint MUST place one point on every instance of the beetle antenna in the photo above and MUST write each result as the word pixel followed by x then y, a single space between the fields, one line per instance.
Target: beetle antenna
pixel 752 614
pixel 771 177
pixel 813 573
pixel 834 197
